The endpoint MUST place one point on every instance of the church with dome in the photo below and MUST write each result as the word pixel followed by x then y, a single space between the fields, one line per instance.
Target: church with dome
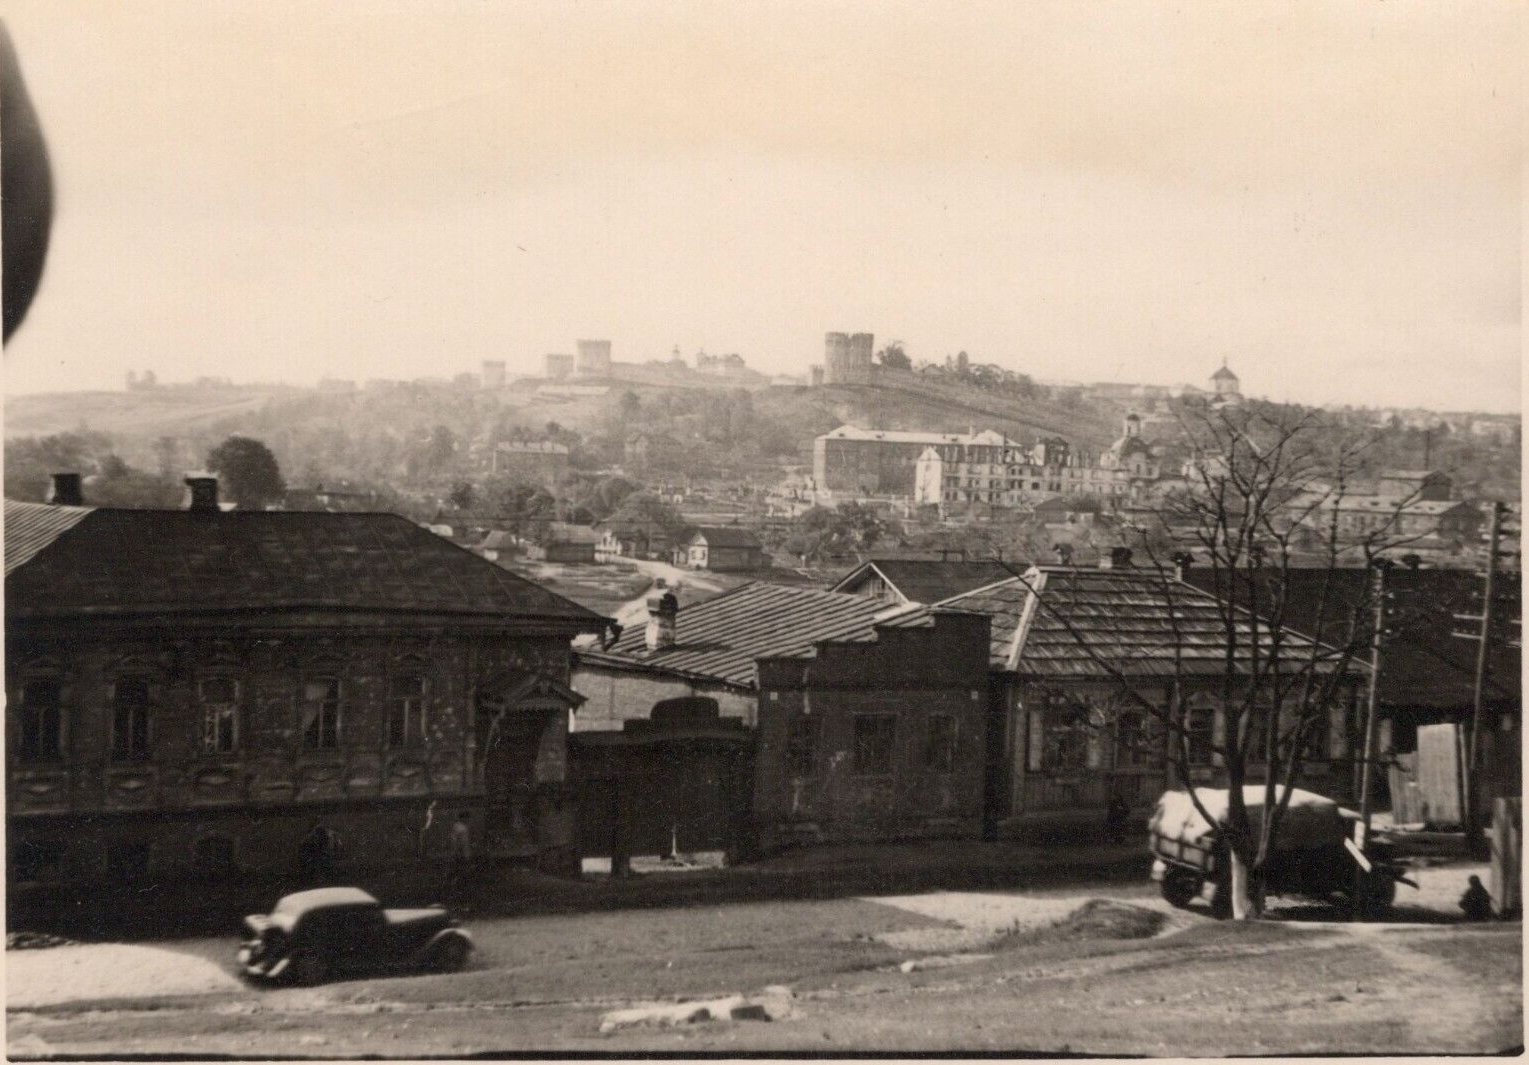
pixel 1226 390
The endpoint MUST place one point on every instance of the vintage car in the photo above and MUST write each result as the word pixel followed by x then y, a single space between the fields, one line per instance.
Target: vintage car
pixel 313 935
pixel 1312 856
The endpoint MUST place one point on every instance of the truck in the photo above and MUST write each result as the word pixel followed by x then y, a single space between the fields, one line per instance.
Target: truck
pixel 1318 854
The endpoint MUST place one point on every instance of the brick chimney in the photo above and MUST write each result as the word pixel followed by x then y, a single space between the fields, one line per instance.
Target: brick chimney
pixel 204 493
pixel 1120 558
pixel 66 491
pixel 1063 553
pixel 1182 561
pixel 663 611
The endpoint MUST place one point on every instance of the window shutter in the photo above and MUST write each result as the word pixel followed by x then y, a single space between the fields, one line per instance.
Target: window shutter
pixel 1037 744
pixel 1337 732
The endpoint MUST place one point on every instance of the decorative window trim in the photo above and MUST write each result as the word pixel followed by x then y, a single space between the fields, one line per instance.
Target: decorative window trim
pixel 304 727
pixel 59 727
pixel 135 743
pixel 418 736
pixel 204 707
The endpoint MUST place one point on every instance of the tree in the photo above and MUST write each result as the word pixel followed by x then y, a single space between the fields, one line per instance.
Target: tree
pixel 463 495
pixel 893 357
pixel 1266 491
pixel 645 511
pixel 250 475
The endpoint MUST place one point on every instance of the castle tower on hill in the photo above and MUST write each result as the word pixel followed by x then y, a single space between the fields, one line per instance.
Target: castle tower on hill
pixel 593 358
pixel 847 358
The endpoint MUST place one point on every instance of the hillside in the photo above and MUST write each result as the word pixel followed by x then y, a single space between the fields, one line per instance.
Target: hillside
pixel 148 413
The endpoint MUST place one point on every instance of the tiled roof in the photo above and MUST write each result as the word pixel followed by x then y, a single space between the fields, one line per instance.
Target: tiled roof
pixel 127 562
pixel 725 536
pixel 721 638
pixel 930 580
pixel 1059 621
pixel 30 527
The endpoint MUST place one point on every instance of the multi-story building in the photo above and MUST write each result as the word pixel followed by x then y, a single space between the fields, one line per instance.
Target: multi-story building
pixel 1017 476
pixel 870 462
pixel 536 460
pixel 201 693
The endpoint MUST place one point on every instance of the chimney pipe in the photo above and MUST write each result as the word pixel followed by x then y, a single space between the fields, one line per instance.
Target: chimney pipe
pixel 66 491
pixel 663 612
pixel 1063 553
pixel 1182 561
pixel 1120 558
pixel 204 493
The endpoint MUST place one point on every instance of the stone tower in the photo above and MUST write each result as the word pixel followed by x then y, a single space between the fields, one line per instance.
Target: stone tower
pixel 593 358
pixel 847 359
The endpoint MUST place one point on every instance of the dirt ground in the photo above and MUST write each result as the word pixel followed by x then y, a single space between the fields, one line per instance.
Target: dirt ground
pixel 994 971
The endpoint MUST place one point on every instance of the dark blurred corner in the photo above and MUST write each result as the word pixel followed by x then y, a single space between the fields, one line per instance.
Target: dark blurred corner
pixel 26 189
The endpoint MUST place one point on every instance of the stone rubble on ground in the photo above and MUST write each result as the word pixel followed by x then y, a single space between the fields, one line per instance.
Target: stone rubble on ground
pixel 771 1004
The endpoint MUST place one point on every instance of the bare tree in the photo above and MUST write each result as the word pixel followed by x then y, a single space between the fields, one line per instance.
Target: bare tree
pixel 1264 491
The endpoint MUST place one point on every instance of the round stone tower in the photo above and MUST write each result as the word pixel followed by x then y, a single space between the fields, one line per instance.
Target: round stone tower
pixel 860 348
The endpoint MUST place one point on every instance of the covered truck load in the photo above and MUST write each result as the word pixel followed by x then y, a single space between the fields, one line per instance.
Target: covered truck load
pixel 1309 856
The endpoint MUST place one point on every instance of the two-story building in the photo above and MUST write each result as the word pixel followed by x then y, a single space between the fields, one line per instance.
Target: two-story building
pixel 195 692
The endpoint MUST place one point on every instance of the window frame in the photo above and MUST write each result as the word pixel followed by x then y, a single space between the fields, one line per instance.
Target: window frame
pixel 206 707
pixel 134 743
pixel 337 699
pixel 33 752
pixel 414 706
pixel 886 760
pixel 948 744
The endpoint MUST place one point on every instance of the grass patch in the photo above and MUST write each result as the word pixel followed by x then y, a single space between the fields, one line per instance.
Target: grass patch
pixel 1097 919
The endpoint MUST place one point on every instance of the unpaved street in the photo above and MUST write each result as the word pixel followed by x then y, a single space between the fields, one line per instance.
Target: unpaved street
pixel 994 971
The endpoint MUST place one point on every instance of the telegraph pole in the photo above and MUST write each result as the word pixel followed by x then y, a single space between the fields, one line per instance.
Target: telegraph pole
pixel 1371 697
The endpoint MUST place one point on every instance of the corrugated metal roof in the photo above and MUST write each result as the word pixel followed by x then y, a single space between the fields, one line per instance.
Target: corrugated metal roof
pixel 30 527
pixel 1060 621
pixel 126 562
pixel 723 637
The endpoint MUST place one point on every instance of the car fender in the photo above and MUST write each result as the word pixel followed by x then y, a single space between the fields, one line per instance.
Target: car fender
pixel 445 934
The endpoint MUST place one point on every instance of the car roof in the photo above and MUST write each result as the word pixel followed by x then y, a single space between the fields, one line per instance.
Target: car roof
pixel 321 898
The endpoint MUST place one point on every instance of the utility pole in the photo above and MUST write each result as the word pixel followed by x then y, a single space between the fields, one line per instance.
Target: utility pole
pixel 1367 762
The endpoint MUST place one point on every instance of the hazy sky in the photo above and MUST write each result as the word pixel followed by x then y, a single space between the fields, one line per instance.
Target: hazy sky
pixel 1328 194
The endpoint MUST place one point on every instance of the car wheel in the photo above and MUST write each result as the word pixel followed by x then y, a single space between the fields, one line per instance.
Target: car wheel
pixel 1180 887
pixel 1379 894
pixel 309 968
pixel 449 955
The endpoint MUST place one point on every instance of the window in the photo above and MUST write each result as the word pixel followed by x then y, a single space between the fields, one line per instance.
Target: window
pixel 1064 736
pixel 42 738
pixel 37 861
pixel 406 711
pixel 219 697
pixel 1200 732
pixel 873 743
pixel 320 708
pixel 1133 739
pixel 940 743
pixel 130 718
pixel 801 738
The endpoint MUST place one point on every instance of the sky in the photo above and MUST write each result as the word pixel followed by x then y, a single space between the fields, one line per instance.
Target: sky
pixel 1327 194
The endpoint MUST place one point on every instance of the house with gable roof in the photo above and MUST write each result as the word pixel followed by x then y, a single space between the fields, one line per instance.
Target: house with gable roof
pixel 1068 643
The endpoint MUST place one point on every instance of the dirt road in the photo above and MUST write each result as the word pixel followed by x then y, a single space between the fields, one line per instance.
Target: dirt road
pixel 982 971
